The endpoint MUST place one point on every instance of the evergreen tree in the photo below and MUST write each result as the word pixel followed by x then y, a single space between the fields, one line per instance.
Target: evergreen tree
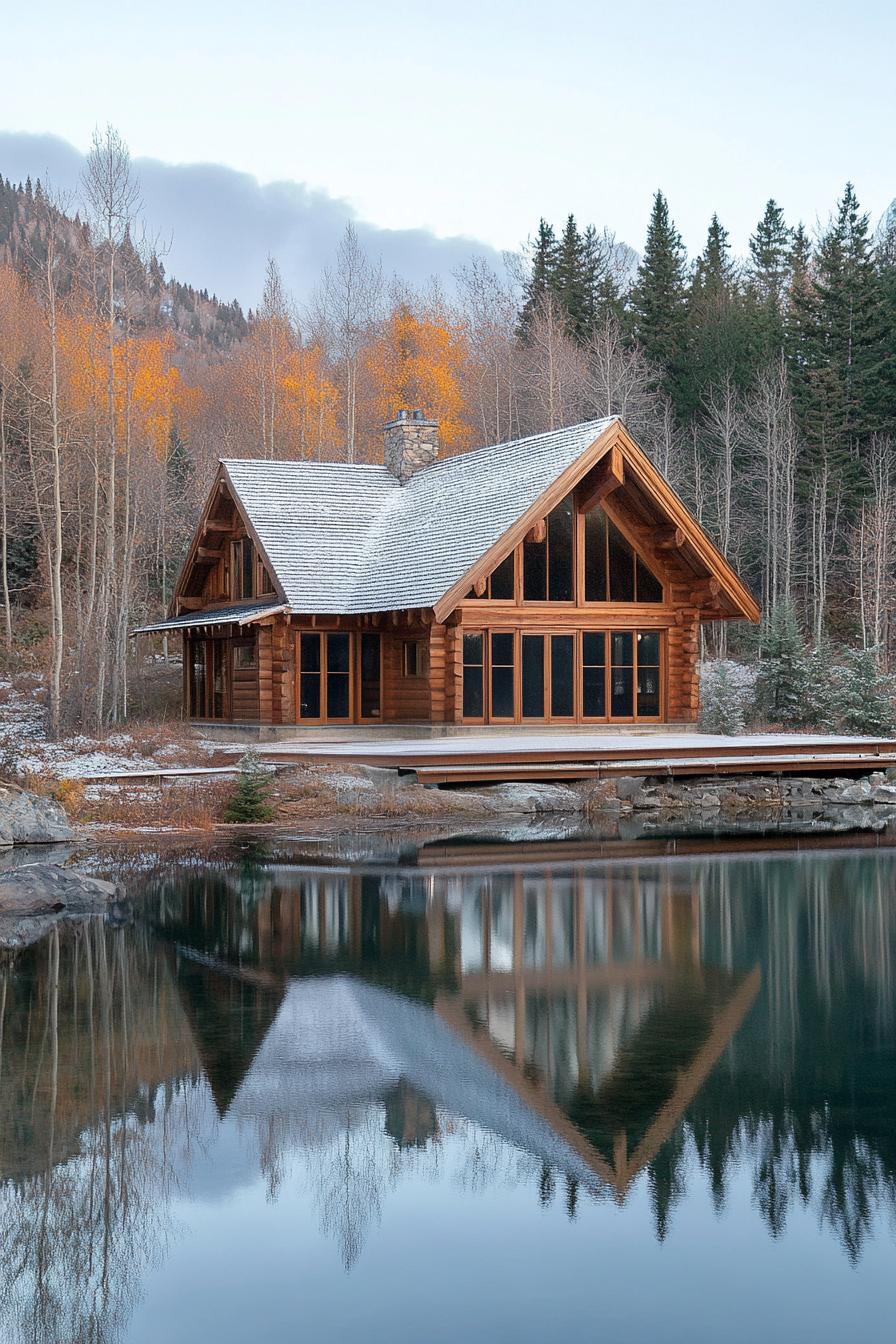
pixel 569 282
pixel 542 276
pixel 886 278
pixel 721 699
pixel 840 317
pixel 822 710
pixel 768 275
pixel 250 801
pixel 659 304
pixel 719 341
pixel 603 295
pixel 865 697
pixel 781 683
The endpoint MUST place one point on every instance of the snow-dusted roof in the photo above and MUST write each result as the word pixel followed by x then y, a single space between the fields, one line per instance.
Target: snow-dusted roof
pixel 345 539
pixel 241 613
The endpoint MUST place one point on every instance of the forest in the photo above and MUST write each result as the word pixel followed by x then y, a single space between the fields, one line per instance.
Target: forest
pixel 763 386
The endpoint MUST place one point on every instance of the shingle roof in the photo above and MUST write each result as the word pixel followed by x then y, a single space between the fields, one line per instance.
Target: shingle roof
pixel 345 539
pixel 241 614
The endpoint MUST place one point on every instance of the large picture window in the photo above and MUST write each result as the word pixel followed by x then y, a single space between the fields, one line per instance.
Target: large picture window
pixel 562 675
pixel 614 572
pixel 548 565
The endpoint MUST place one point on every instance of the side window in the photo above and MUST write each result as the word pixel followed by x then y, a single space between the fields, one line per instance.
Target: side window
pixel 243 568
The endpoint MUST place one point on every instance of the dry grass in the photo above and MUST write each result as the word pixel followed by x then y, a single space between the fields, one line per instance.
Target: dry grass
pixel 316 793
pixel 179 804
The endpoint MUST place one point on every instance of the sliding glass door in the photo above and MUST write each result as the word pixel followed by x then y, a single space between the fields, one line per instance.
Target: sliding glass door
pixel 572 676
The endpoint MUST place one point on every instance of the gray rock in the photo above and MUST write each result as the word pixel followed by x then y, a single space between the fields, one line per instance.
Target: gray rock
pixel 34 898
pixel 859 792
pixel 648 798
pixel 534 799
pixel 28 819
pixel 884 793
pixel 628 786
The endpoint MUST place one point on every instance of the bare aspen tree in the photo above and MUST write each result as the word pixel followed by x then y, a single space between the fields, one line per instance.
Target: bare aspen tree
pixel 490 306
pixel 622 382
pixel 112 197
pixel 772 438
pixel 44 436
pixel 555 374
pixel 875 541
pixel 724 431
pixel 346 307
pixel 273 336
pixel 4 516
pixel 824 518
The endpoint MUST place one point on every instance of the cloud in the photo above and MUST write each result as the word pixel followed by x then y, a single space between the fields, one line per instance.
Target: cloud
pixel 219 225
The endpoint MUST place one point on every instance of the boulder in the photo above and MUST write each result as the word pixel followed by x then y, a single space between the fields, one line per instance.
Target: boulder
pixel 29 819
pixel 35 897
pixel 884 793
pixel 534 799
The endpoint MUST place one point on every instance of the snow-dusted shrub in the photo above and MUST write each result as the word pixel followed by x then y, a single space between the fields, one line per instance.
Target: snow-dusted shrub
pixel 727 691
pixel 864 698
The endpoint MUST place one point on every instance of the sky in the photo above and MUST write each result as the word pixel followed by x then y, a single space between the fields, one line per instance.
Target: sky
pixel 443 129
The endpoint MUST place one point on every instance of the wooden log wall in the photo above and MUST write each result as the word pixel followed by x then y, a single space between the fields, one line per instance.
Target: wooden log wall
pixel 437 672
pixel 405 699
pixel 266 673
pixel 244 694
pixel 683 694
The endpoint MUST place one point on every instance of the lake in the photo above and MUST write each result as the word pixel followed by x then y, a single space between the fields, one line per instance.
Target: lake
pixel 482 1091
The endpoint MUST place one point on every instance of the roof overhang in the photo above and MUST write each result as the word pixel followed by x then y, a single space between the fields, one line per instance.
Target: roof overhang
pixel 200 620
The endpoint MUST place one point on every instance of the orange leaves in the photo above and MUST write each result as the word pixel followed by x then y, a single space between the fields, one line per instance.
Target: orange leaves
pixel 310 402
pixel 149 393
pixel 418 360
pixel 158 395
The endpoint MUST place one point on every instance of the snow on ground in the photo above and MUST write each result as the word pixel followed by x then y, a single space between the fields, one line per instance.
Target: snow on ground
pixel 24 748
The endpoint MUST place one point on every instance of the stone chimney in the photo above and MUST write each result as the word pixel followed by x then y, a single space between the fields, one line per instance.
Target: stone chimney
pixel 411 442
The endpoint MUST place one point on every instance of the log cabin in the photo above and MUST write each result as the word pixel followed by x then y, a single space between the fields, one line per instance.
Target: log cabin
pixel 553 579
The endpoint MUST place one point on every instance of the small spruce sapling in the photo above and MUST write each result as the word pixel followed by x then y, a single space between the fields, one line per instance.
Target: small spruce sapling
pixel 721 700
pixel 865 696
pixel 781 683
pixel 250 801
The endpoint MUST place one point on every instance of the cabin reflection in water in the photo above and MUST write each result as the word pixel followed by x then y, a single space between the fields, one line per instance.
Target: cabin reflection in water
pixel 582 989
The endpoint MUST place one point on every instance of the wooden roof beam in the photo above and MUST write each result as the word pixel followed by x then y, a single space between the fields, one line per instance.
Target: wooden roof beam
pixel 669 539
pixel 609 476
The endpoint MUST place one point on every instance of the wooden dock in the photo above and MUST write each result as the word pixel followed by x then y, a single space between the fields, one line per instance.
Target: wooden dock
pixel 552 758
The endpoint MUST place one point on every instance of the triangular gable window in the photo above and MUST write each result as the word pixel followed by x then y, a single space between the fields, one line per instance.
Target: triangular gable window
pixel 613 570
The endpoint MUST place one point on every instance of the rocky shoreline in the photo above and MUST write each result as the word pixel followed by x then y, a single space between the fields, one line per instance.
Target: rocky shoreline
pixel 362 792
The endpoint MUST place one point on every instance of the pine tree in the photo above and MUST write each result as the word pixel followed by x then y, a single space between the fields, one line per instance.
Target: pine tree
pixel 840 319
pixel 542 276
pixel 865 697
pixel 251 796
pixel 719 341
pixel 769 274
pixel 659 304
pixel 886 279
pixel 781 683
pixel 822 709
pixel 721 700
pixel 603 294
pixel 569 282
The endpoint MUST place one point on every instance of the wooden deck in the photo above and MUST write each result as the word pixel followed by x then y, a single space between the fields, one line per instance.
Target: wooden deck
pixel 550 758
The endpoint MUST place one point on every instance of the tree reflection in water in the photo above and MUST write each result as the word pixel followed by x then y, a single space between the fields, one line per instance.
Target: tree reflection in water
pixel 580 1027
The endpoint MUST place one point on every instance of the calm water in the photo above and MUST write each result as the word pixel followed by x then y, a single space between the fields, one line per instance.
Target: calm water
pixel 485 1093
